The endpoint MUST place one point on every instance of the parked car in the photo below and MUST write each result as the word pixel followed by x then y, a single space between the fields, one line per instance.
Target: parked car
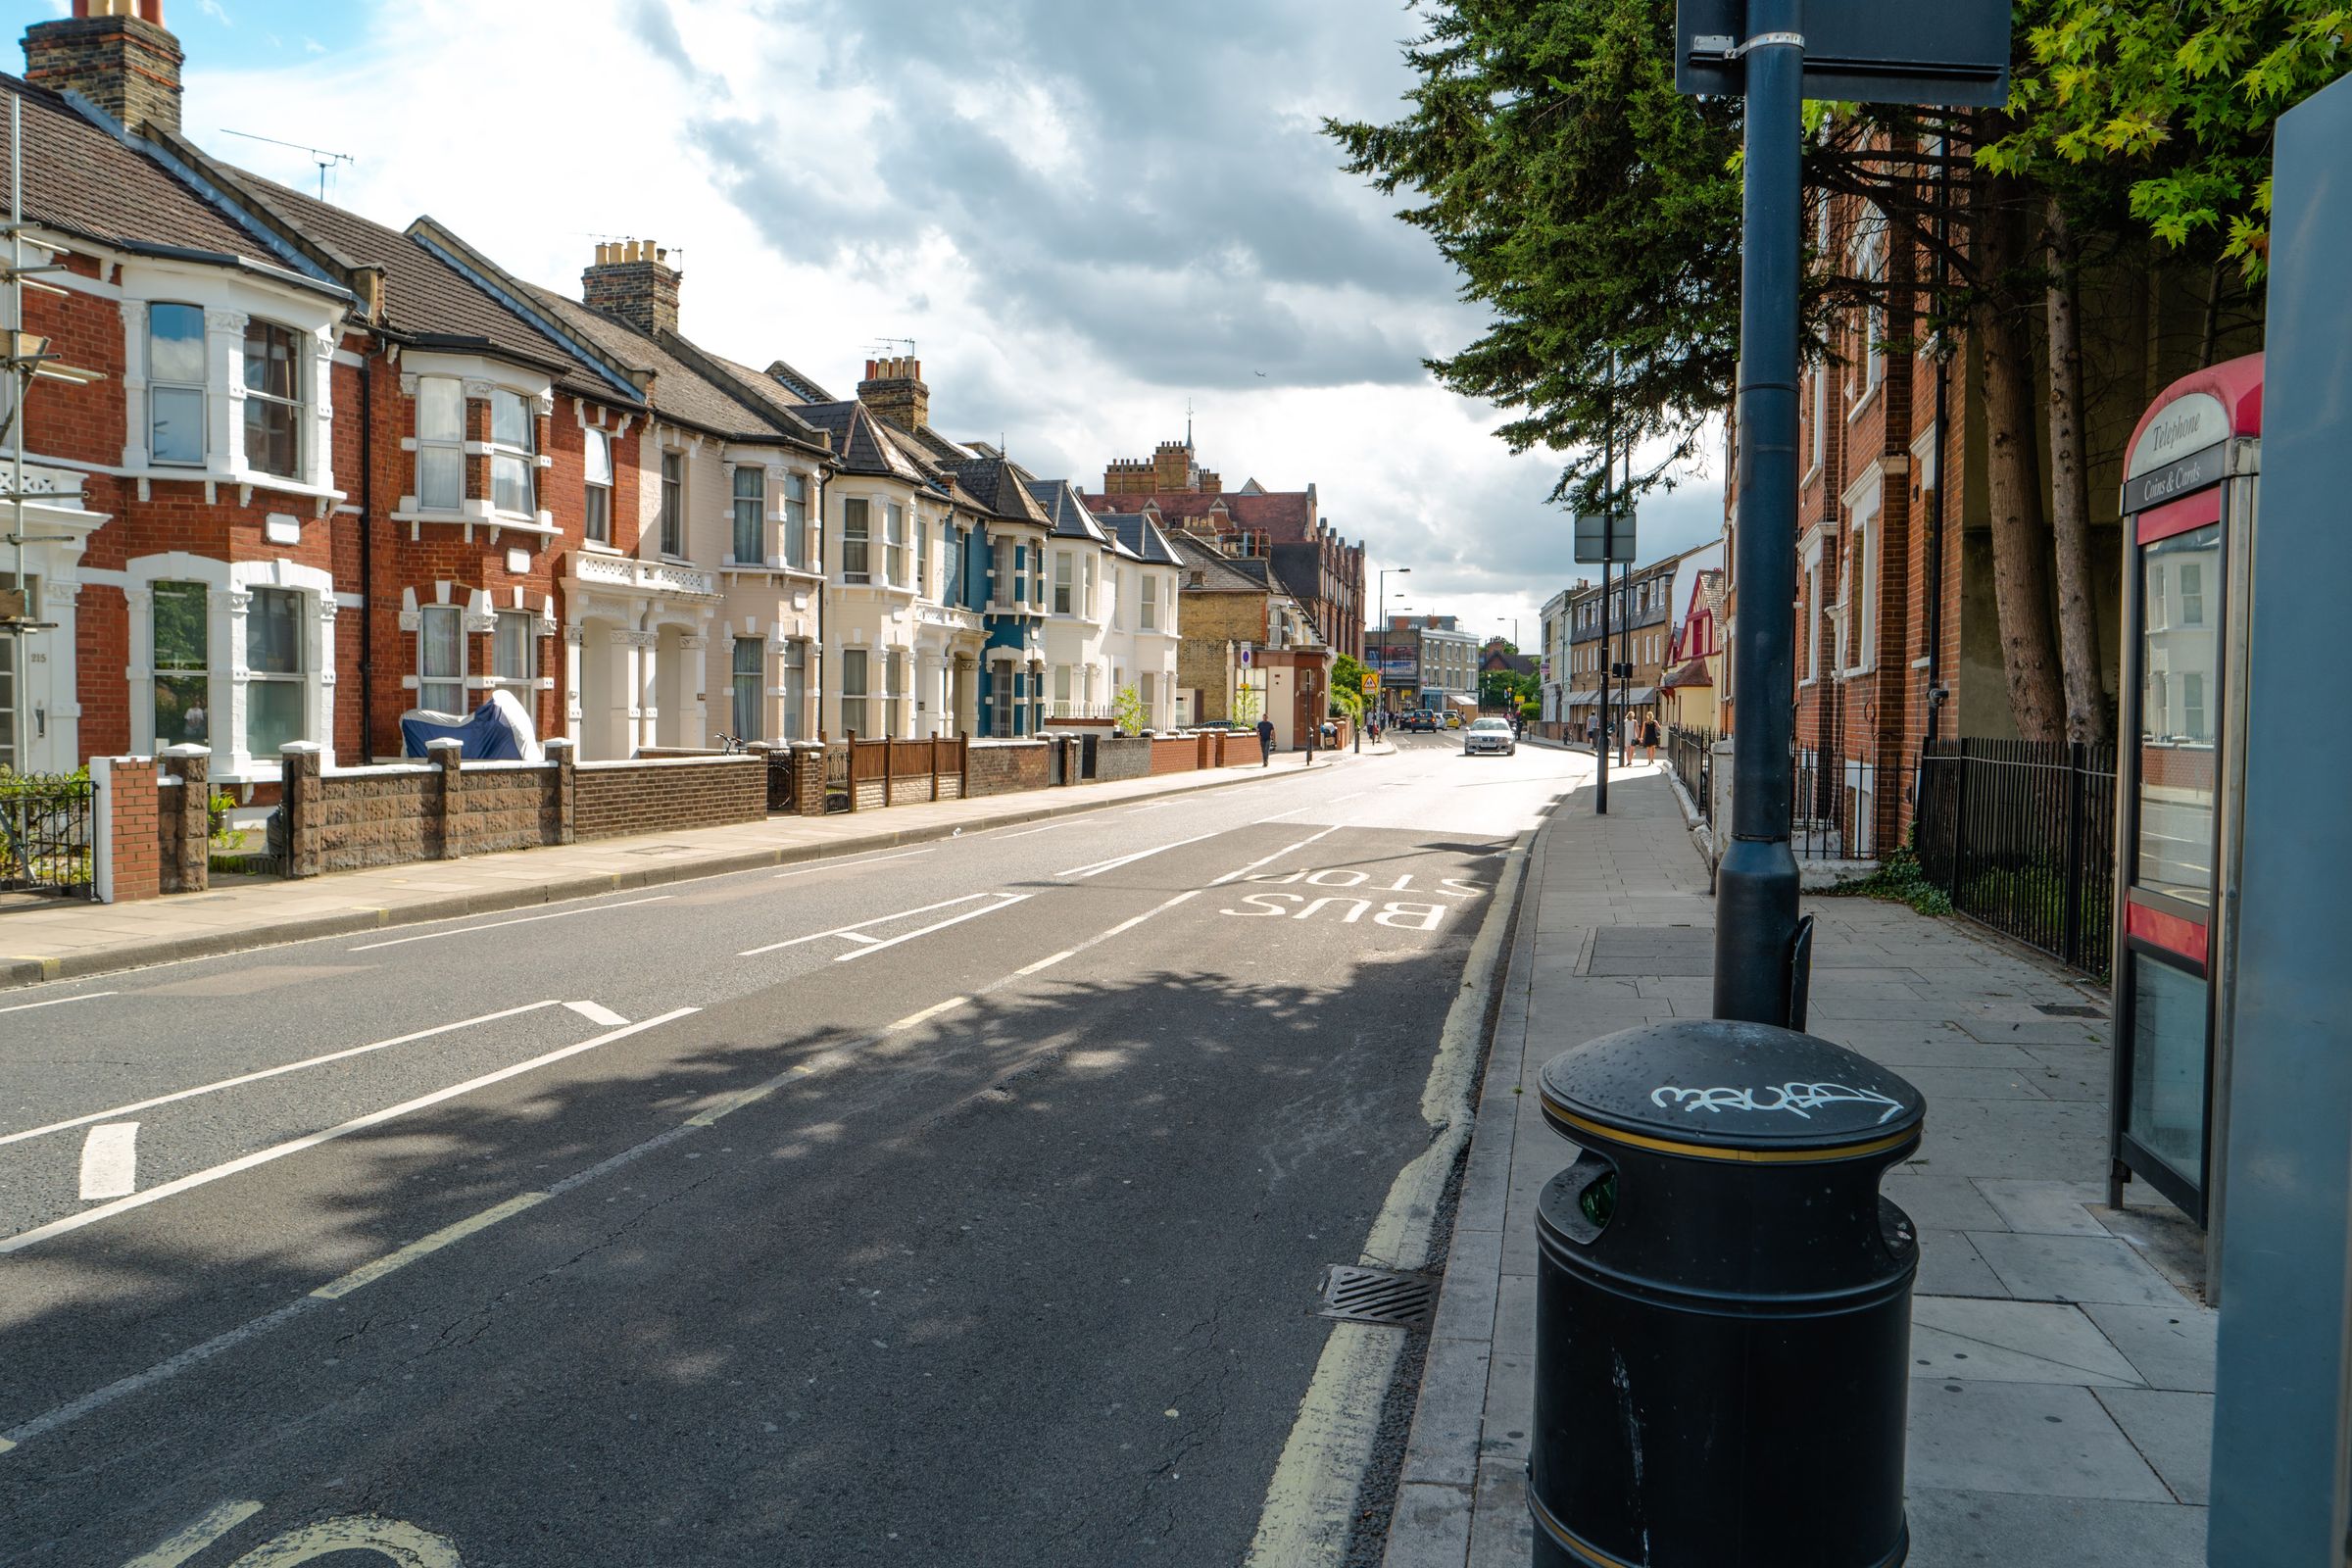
pixel 1454 719
pixel 1490 735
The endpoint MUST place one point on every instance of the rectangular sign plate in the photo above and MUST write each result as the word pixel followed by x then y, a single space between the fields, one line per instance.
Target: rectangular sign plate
pixel 1860 51
pixel 1597 543
pixel 2177 478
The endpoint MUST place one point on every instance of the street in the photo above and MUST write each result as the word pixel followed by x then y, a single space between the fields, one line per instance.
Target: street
pixel 957 1203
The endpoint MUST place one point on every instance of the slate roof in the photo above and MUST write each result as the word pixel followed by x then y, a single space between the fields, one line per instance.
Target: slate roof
pixel 1287 514
pixel 1217 572
pixel 798 385
pixel 1142 539
pixel 996 485
pixel 80 179
pixel 862 443
pixel 680 391
pixel 1692 674
pixel 1060 500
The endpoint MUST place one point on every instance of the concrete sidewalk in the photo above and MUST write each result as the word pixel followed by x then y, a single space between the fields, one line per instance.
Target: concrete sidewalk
pixel 2062 1368
pixel 61 939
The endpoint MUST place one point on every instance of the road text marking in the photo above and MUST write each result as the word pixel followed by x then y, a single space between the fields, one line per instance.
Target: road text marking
pixel 596 1013
pixel 1236 876
pixel 110 1160
pixel 467 931
pixel 216 1522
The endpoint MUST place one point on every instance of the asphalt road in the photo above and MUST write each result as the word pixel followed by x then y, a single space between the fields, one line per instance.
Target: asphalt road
pixel 958 1204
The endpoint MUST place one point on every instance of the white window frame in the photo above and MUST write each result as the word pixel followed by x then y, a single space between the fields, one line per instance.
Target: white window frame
pixel 532 628
pixel 1148 609
pixel 791 684
pixel 1867 256
pixel 298 404
pixel 201 387
pixel 894 692
pixel 519 457
pixel 922 554
pixel 756 499
pixel 670 510
pixel 796 519
pixel 857 673
pixel 230 587
pixel 1065 592
pixel 427 616
pixel 1088 579
pixel 858 542
pixel 596 524
pixel 894 541
pixel 747 689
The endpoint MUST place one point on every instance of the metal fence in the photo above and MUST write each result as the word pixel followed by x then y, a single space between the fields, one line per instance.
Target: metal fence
pixel 2022 835
pixel 45 835
pixel 1833 805
pixel 1693 754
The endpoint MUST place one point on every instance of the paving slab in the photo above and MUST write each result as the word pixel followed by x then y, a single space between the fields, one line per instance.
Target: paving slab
pixel 1995 1530
pixel 2048 1209
pixel 2073 1268
pixel 2171 1347
pixel 2013 1341
pixel 2174 1433
pixel 2043 1438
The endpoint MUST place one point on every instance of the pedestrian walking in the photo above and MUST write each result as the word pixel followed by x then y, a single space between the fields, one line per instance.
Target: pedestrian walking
pixel 1650 739
pixel 1265 743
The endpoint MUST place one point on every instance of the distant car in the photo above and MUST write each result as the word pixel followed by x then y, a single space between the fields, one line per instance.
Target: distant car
pixel 1490 735
pixel 1453 720
pixel 1420 721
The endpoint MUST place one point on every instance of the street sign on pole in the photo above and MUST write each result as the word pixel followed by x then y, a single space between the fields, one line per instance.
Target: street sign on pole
pixel 1604 540
pixel 1856 51
pixel 1371 682
pixel 1245 655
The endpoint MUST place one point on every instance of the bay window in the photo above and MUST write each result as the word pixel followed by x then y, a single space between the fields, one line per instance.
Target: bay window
pixel 272 399
pixel 440 443
pixel 598 515
pixel 513 454
pixel 856 525
pixel 441 660
pixel 748 682
pixel 854 714
pixel 274 685
pixel 183 622
pixel 893 521
pixel 750 516
pixel 176 383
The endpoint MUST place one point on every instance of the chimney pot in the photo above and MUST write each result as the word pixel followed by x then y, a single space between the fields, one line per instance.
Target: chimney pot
pixel 632 281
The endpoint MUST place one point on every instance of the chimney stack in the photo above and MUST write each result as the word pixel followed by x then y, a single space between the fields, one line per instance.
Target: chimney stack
pixel 116 54
pixel 894 390
pixel 634 281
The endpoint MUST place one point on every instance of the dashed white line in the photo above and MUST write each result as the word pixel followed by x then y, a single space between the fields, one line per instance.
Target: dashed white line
pixel 272 1072
pixel 59 1001
pixel 295 1146
pixel 1101 866
pixel 1236 876
pixel 850 931
pixel 597 1013
pixel 1050 827
pixel 1006 902
pixel 926 1015
pixel 467 931
pixel 110 1160
pixel 1048 963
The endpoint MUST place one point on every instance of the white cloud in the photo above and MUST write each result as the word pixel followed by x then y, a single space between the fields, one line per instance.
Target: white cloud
pixel 213 9
pixel 1073 267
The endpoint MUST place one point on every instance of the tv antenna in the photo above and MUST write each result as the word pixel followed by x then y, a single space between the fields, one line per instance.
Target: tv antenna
pixel 883 343
pixel 319 155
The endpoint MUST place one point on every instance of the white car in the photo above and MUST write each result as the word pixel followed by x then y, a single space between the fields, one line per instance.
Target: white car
pixel 1490 735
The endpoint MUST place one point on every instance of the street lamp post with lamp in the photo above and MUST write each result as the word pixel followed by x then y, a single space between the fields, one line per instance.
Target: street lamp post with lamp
pixel 1387 707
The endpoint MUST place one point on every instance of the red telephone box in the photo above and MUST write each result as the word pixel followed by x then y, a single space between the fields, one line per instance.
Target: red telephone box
pixel 2188 533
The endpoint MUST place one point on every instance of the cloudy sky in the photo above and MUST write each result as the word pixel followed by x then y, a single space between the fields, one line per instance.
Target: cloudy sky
pixel 1084 214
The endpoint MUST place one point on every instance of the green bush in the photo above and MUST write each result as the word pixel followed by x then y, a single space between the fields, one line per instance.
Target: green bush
pixel 1899 879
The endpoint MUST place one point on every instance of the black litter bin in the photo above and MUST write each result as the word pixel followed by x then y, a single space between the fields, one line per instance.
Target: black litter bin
pixel 1723 1304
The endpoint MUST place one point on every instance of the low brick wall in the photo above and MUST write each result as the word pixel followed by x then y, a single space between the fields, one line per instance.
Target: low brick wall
pixel 1001 767
pixel 1175 754
pixel 1122 756
pixel 387 815
pixel 656 797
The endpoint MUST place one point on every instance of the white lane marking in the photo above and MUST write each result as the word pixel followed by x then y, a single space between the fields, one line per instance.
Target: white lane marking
pixel 1007 901
pixel 851 930
pixel 272 1072
pixel 1101 866
pixel 1050 827
pixel 295 1146
pixel 1236 876
pixel 1047 964
pixel 835 866
pixel 924 1016
pixel 110 1160
pixel 597 1013
pixel 59 1001
pixel 467 931
pixel 335 1290
pixel 218 1521
pixel 1155 805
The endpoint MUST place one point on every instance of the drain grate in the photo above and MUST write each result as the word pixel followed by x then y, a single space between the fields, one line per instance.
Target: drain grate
pixel 658 848
pixel 1388 1295
pixel 2069 1009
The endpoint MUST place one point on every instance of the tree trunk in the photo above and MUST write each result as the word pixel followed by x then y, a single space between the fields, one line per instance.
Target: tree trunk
pixel 2021 550
pixel 2086 717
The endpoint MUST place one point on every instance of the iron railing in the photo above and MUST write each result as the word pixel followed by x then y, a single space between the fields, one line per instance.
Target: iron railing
pixel 1834 806
pixel 1693 754
pixel 781 796
pixel 2020 834
pixel 45 835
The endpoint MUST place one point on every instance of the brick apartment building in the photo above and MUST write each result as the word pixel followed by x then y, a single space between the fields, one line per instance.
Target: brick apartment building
pixel 1318 568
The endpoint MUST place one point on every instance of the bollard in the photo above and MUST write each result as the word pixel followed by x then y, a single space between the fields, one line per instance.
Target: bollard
pixel 1723 1304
